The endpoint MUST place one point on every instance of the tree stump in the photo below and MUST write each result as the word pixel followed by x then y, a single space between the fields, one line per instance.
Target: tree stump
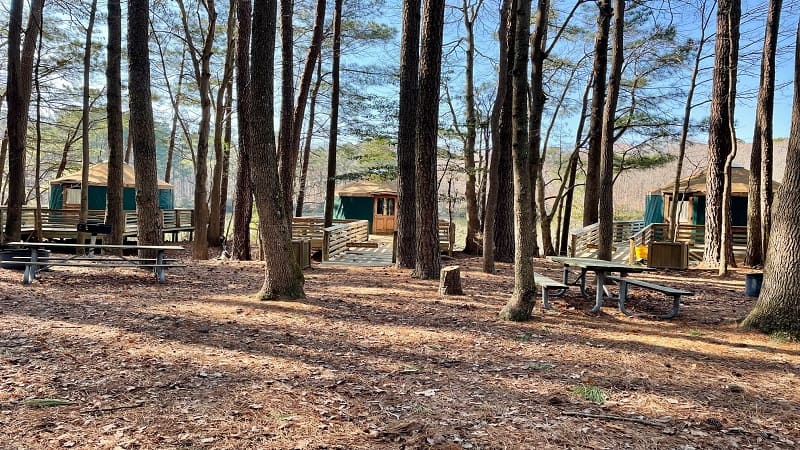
pixel 450 281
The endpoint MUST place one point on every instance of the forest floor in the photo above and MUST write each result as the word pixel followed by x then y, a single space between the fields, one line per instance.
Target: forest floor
pixel 375 359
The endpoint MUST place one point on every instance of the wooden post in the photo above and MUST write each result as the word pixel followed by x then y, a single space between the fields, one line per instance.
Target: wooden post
pixel 450 281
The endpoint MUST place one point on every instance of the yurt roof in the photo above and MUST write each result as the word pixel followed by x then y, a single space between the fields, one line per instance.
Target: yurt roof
pixel 367 188
pixel 696 183
pixel 98 176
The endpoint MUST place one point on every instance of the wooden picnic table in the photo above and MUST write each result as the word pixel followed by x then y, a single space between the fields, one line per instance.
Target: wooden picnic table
pixel 601 269
pixel 34 265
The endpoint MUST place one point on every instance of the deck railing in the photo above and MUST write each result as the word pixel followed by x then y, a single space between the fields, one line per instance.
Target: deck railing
pixel 693 235
pixel 336 238
pixel 585 241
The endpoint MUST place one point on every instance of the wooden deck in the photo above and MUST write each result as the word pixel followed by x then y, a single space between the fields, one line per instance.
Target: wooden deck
pixel 61 224
pixel 380 256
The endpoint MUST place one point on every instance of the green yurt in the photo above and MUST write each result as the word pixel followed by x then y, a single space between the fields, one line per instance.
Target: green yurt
pixel 65 192
pixel 375 201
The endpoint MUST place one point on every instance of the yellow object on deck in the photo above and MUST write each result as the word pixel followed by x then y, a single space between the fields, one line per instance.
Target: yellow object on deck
pixel 641 252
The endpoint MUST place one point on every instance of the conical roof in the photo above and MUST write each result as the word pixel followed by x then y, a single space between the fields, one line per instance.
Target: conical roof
pixel 98 176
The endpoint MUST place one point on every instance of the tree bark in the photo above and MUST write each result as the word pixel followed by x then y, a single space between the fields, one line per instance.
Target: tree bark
pixel 201 61
pixel 312 58
pixel 115 214
pixel 606 198
pixel 226 156
pixel 591 198
pixel 287 156
pixel 719 135
pixel 216 214
pixel 407 135
pixel 537 101
pixel 520 305
pixel 778 305
pixel 87 66
pixel 18 92
pixel 282 275
pixel 243 202
pixel 38 170
pixel 498 229
pixel 759 203
pixel 427 263
pixel 312 109
pixel 330 182
pixel 473 224
pixel 176 103
pixel 687 113
pixel 141 125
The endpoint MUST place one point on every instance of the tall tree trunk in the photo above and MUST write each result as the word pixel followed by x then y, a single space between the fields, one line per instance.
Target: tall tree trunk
pixel 606 199
pixel 38 170
pixel 536 106
pixel 778 305
pixel 129 145
pixel 282 275
pixel 591 198
pixel 687 113
pixel 243 201
pixel 287 156
pixel 427 263
pixel 498 228
pixel 520 305
pixel 226 154
pixel 407 136
pixel 719 133
pixel 87 66
pixel 216 214
pixel 330 182
pixel 470 15
pixel 115 214
pixel 312 58
pixel 18 91
pixel 201 60
pixel 759 200
pixel 176 103
pixel 312 109
pixel 141 125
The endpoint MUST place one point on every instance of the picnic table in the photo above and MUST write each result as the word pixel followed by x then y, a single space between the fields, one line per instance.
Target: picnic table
pixel 84 257
pixel 602 269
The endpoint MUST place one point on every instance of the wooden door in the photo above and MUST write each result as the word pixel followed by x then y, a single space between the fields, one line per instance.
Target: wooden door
pixel 384 218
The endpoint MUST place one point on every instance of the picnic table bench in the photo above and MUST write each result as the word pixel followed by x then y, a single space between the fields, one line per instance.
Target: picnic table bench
pixel 546 284
pixel 624 282
pixel 85 257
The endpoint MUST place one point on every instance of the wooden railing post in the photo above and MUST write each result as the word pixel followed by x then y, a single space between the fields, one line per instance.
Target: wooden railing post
pixel 325 245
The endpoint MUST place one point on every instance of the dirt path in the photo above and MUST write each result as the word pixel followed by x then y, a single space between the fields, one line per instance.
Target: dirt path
pixel 375 359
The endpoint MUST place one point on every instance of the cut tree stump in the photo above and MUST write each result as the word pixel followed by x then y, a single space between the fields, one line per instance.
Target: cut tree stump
pixel 450 281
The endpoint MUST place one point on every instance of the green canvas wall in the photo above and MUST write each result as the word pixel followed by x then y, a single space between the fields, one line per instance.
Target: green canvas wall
pixel 97 198
pixel 353 208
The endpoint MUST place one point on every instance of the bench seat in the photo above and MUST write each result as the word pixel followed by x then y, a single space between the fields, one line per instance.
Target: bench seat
pixel 675 293
pixel 547 284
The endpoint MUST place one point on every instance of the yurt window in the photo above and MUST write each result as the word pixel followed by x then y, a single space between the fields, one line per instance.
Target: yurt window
pixel 72 196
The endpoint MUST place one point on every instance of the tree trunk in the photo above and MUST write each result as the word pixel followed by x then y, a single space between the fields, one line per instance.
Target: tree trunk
pixel 520 305
pixel 537 100
pixel 500 238
pixel 38 170
pixel 591 198
pixel 226 156
pixel 18 91
pixel 216 214
pixel 176 103
pixel 450 281
pixel 606 198
pixel 407 136
pixel 87 66
pixel 471 244
pixel 201 60
pixel 719 133
pixel 115 214
pixel 759 204
pixel 312 58
pixel 129 144
pixel 687 113
pixel 243 202
pixel 427 263
pixel 330 182
pixel 282 275
pixel 778 306
pixel 287 155
pixel 312 109
pixel 141 125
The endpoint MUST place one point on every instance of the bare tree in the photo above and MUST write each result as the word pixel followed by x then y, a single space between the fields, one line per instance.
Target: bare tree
pixel 87 67
pixel 243 201
pixel 330 182
pixel 115 214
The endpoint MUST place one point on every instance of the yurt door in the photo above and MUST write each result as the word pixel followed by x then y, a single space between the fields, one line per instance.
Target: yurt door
pixel 384 218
